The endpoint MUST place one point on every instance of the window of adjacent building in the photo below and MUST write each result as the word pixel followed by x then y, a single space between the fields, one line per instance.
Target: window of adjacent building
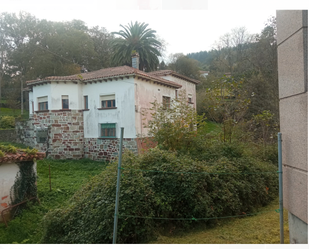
pixel 166 102
pixel 86 102
pixel 65 101
pixel 43 103
pixel 108 101
pixel 190 98
pixel 108 130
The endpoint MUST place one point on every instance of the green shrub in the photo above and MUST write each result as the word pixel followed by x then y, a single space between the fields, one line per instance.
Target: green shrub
pixel 7 122
pixel 149 190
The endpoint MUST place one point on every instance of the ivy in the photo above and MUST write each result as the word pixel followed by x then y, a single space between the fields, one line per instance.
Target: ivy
pixel 25 184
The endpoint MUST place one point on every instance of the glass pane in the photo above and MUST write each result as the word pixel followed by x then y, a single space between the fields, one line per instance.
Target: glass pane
pixel 104 104
pixel 114 103
pixel 86 102
pixel 65 104
pixel 109 103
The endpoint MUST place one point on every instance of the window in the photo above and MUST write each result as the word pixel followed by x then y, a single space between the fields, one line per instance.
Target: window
pixel 85 102
pixel 43 103
pixel 190 99
pixel 176 94
pixel 108 130
pixel 65 101
pixel 108 101
pixel 166 102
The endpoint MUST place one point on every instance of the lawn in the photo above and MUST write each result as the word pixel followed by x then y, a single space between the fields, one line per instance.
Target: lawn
pixel 263 228
pixel 66 177
pixel 13 112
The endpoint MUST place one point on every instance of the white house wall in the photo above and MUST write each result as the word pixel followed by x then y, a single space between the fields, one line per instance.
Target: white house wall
pixel 186 85
pixel 41 91
pixel 123 116
pixel 30 102
pixel 74 91
pixel 146 93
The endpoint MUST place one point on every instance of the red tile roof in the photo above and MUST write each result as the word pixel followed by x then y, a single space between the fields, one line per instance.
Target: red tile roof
pixel 107 73
pixel 21 156
pixel 173 73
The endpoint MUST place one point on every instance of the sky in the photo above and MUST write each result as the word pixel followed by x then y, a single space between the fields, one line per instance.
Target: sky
pixel 185 25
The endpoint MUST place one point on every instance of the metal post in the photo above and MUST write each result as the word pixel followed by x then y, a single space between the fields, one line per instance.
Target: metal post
pixel 280 186
pixel 118 188
pixel 49 179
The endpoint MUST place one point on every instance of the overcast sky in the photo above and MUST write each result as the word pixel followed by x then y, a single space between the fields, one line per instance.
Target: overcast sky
pixel 186 25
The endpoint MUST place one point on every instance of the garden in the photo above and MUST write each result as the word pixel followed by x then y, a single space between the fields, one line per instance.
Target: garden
pixel 201 176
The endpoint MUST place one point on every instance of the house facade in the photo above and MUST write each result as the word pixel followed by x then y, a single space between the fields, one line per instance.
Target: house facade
pixel 80 116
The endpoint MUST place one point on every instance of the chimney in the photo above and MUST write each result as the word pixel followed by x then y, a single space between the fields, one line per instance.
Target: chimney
pixel 135 60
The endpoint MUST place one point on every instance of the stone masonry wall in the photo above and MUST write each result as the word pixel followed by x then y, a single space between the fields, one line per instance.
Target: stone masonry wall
pixel 107 149
pixel 65 133
pixel 8 136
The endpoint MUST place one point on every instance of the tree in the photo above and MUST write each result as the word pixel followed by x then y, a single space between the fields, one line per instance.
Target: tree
pixel 226 102
pixel 174 127
pixel 183 65
pixel 137 37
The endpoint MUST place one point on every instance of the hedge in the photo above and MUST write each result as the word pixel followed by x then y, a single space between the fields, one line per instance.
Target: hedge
pixel 146 191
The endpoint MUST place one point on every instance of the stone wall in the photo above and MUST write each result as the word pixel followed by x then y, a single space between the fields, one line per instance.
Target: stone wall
pixel 107 149
pixel 63 138
pixel 292 40
pixel 8 136
pixel 64 133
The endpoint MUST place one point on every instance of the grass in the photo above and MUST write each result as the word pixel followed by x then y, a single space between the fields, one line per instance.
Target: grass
pixel 17 145
pixel 66 177
pixel 14 112
pixel 262 228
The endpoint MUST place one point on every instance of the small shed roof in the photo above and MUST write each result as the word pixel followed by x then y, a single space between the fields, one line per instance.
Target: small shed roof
pixel 21 156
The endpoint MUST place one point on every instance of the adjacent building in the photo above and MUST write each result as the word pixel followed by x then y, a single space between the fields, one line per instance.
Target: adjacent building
pixel 292 43
pixel 80 115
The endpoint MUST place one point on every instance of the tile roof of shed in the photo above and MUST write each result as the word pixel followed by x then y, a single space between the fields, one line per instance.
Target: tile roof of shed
pixel 107 73
pixel 21 156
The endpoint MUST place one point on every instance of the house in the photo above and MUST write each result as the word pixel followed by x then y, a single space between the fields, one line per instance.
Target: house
pixel 204 73
pixel 80 116
pixel 10 166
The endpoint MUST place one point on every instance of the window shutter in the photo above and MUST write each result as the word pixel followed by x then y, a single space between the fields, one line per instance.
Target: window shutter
pixel 107 97
pixel 43 99
pixel 65 96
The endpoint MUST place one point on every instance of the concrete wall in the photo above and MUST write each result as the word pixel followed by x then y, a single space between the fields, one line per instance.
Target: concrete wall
pixel 189 87
pixel 145 93
pixel 8 172
pixel 292 43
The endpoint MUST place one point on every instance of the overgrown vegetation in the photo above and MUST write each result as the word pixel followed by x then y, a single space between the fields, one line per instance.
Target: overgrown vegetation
pixel 258 229
pixel 66 178
pixel 149 190
pixel 7 122
pixel 219 174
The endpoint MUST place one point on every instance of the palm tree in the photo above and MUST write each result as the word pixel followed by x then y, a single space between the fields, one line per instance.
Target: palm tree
pixel 137 38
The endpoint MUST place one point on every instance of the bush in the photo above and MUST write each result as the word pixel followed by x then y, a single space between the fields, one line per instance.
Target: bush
pixel 148 190
pixel 7 122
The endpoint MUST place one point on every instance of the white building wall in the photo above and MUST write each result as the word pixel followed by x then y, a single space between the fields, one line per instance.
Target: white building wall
pixel 146 93
pixel 123 116
pixel 41 91
pixel 186 85
pixel 30 103
pixel 74 91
